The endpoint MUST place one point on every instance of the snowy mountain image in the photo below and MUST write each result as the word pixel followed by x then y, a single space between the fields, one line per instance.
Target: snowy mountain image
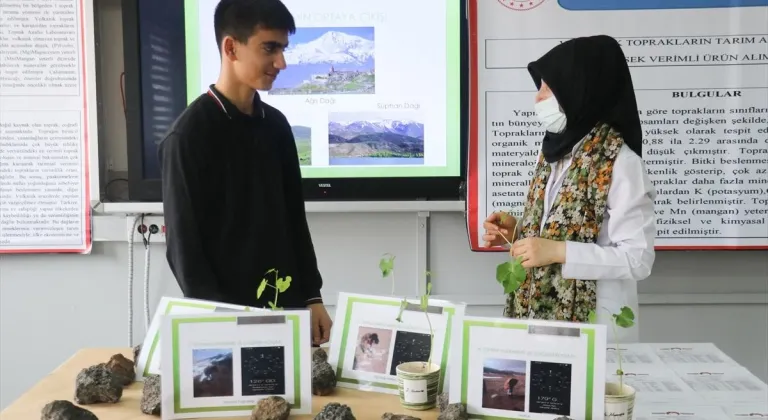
pixel 370 139
pixel 328 61
pixel 212 373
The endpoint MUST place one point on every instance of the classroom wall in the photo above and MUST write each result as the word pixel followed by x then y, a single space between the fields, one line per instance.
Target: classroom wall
pixel 53 305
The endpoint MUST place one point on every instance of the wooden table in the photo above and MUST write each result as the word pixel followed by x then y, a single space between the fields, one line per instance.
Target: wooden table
pixel 60 385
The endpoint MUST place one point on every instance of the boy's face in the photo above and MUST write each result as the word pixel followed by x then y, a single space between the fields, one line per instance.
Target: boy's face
pixel 257 62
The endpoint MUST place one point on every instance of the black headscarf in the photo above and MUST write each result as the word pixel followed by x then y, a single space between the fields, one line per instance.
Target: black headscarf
pixel 590 79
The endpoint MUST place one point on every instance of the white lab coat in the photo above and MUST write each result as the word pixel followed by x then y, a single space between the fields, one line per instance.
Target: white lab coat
pixel 624 251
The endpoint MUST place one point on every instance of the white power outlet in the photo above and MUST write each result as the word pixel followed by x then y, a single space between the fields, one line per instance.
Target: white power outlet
pixel 149 221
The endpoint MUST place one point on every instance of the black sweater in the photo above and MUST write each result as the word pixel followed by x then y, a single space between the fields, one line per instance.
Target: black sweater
pixel 233 205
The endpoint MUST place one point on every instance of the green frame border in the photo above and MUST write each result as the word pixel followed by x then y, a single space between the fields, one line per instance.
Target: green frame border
pixel 351 301
pixel 467 324
pixel 177 409
pixel 155 340
pixel 452 104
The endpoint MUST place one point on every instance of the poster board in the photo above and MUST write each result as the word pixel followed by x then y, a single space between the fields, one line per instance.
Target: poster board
pixel 222 364
pixel 148 362
pixel 532 369
pixel 700 70
pixel 47 126
pixel 368 342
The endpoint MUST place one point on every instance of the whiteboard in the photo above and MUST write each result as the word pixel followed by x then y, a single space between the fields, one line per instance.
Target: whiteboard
pixel 700 70
pixel 47 125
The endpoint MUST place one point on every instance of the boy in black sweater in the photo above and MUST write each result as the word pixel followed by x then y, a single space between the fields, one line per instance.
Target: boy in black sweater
pixel 232 192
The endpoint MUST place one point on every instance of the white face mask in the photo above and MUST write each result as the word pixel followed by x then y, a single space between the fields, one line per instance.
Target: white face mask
pixel 550 115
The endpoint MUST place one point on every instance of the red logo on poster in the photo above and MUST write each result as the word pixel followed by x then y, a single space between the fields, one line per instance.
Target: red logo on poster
pixel 521 4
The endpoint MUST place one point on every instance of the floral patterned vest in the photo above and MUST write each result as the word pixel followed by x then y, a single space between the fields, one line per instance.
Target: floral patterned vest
pixel 576 215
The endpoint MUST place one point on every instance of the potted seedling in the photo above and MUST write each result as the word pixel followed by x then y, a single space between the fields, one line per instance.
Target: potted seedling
pixel 279 284
pixel 417 381
pixel 619 397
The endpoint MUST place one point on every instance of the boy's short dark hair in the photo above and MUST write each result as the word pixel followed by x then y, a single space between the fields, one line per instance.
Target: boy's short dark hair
pixel 240 18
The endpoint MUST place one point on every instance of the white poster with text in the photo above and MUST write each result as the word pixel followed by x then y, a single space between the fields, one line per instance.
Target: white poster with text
pixel 700 70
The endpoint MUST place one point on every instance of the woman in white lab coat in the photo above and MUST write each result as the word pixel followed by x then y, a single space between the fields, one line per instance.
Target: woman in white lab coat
pixel 587 233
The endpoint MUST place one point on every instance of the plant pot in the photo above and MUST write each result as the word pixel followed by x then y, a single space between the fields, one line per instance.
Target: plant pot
pixel 417 384
pixel 619 402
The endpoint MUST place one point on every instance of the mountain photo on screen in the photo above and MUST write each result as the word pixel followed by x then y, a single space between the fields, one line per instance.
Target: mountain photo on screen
pixel 323 61
pixel 303 137
pixel 375 138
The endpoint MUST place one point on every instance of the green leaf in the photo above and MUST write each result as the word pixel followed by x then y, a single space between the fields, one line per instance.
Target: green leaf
pixel 592 317
pixel 625 318
pixel 283 284
pixel 511 275
pixel 262 286
pixel 387 265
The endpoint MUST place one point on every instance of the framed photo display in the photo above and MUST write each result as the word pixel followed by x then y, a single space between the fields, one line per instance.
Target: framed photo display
pixel 148 362
pixel 516 368
pixel 222 364
pixel 371 337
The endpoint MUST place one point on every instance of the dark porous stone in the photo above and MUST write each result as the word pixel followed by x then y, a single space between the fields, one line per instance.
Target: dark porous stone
pixel 323 378
pixel 390 416
pixel 136 353
pixel 456 411
pixel 442 401
pixel 122 368
pixel 97 384
pixel 271 408
pixel 319 355
pixel 151 397
pixel 65 410
pixel 335 411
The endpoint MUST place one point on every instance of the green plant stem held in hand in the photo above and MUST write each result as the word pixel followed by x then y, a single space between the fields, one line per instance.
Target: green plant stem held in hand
pixel 624 319
pixel 510 274
pixel 280 286
pixel 387 267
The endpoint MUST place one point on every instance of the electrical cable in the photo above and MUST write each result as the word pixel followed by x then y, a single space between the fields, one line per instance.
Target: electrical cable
pixel 146 277
pixel 130 277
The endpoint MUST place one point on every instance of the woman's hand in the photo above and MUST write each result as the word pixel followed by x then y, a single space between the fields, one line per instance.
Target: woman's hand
pixel 498 226
pixel 538 252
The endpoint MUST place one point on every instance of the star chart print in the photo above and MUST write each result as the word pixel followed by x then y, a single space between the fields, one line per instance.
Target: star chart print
pixel 263 370
pixel 550 390
pixel 409 347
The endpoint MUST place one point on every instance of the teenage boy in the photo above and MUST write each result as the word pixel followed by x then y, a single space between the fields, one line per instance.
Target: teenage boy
pixel 232 192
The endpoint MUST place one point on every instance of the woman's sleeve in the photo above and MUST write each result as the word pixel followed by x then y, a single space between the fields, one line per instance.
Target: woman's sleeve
pixel 631 229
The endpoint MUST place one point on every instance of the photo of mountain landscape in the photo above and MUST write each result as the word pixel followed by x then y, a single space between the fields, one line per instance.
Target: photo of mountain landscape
pixel 303 137
pixel 212 373
pixel 322 61
pixel 362 138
